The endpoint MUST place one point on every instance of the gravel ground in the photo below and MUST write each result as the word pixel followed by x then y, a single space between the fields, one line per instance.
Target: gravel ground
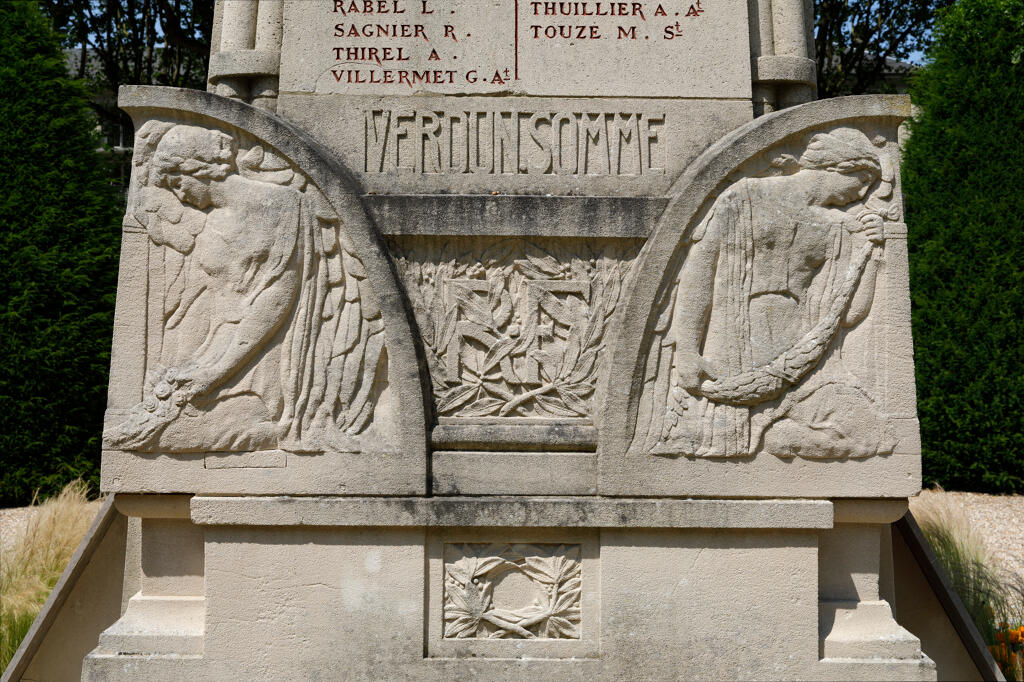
pixel 12 522
pixel 999 519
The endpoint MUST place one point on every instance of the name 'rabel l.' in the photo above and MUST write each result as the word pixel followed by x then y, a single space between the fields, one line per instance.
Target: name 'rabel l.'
pixel 600 9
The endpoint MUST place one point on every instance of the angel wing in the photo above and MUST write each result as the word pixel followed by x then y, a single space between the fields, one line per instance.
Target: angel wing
pixel 333 355
pixel 352 337
pixel 658 410
pixel 325 350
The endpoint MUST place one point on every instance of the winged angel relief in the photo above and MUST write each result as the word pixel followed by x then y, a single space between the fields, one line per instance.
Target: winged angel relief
pixel 270 334
pixel 512 592
pixel 747 352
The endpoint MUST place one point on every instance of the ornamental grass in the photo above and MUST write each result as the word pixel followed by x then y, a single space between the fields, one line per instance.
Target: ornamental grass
pixel 993 597
pixel 34 562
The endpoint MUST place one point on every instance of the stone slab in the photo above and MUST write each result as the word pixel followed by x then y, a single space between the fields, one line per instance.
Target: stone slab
pixel 579 49
pixel 707 591
pixel 870 511
pixel 513 473
pixel 525 434
pixel 539 512
pixel 308 599
pixel 892 476
pixel 153 506
pixel 603 146
pixel 514 215
pixel 323 474
pixel 665 612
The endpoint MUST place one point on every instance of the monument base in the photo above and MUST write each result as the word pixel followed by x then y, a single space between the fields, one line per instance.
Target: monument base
pixel 502 588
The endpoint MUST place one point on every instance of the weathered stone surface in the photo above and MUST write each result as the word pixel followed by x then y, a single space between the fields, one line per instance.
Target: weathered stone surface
pixel 266 301
pixel 515 145
pixel 524 48
pixel 773 295
pixel 514 512
pixel 431 316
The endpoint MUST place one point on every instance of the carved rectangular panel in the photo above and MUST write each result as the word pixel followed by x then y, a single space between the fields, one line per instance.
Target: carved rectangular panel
pixel 515 330
pixel 508 593
pixel 494 47
pixel 512 591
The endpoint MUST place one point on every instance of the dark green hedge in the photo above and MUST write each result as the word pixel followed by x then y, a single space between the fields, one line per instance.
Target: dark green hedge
pixel 59 236
pixel 963 174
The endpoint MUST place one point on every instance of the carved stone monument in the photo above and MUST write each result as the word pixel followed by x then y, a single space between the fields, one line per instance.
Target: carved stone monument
pixel 512 339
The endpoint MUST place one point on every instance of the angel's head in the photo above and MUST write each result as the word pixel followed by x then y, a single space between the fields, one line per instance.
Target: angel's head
pixel 188 158
pixel 845 164
pixel 839 167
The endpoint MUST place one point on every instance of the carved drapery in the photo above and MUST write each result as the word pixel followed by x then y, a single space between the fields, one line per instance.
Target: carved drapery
pixel 746 353
pixel 272 313
pixel 772 299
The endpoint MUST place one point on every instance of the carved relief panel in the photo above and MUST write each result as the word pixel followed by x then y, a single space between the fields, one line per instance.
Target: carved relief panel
pixel 529 593
pixel 513 328
pixel 770 334
pixel 263 331
pixel 502 591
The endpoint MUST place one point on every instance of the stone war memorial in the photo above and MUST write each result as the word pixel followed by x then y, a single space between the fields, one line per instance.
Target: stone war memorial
pixel 511 339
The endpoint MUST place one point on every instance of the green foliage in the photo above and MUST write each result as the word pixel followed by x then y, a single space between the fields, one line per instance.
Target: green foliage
pixel 964 185
pixel 993 598
pixel 140 42
pixel 59 236
pixel 857 41
pixel 988 595
pixel 13 628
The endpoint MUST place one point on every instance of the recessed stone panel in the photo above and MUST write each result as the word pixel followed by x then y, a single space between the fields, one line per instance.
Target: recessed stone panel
pixel 581 48
pixel 513 593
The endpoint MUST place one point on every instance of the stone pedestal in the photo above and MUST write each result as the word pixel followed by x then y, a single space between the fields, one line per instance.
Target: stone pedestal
pixel 451 345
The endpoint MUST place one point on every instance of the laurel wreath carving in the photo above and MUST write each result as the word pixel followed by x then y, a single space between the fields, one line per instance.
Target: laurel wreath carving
pixel 469 582
pixel 490 385
pixel 789 367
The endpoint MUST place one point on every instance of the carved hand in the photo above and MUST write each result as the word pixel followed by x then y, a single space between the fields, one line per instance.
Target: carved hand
pixel 194 381
pixel 691 370
pixel 872 226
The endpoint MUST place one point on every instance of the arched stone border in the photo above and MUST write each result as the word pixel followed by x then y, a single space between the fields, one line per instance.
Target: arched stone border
pixel 689 197
pixel 342 191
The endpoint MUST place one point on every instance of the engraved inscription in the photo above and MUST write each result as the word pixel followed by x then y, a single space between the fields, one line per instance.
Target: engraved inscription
pixel 513 142
pixel 517 591
pixel 687 48
pixel 513 328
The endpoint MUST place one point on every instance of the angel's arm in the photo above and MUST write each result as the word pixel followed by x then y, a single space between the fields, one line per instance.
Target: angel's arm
pixel 693 304
pixel 865 293
pixel 262 317
pixel 167 222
